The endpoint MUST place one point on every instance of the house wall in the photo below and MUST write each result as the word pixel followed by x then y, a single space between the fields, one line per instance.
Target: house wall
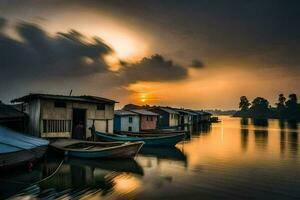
pixel 117 122
pixel 135 124
pixel 163 120
pixel 33 111
pixel 48 111
pixel 173 119
pixel 204 118
pixel 147 123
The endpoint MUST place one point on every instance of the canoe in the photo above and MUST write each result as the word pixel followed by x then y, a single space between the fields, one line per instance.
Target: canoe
pixel 149 140
pixel 17 149
pixel 86 149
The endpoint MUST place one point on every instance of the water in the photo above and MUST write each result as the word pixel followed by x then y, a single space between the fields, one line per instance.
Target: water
pixel 233 159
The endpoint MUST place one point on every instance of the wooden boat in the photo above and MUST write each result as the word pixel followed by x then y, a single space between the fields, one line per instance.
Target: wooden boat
pixel 17 149
pixel 86 149
pixel 150 140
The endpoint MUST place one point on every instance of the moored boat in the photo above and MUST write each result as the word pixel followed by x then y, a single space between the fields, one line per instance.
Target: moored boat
pixel 86 149
pixel 17 149
pixel 150 140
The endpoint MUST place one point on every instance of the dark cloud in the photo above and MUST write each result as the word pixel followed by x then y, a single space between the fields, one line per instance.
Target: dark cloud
pixel 2 23
pixel 197 64
pixel 38 55
pixel 154 68
pixel 39 58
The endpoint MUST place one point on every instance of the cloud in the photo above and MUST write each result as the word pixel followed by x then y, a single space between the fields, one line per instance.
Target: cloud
pixel 197 64
pixel 71 58
pixel 2 23
pixel 154 68
pixel 38 55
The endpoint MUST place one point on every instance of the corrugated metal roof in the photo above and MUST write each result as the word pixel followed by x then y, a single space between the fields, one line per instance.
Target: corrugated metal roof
pixel 8 112
pixel 124 112
pixel 169 110
pixel 83 98
pixel 144 112
pixel 186 112
pixel 193 112
pixel 200 112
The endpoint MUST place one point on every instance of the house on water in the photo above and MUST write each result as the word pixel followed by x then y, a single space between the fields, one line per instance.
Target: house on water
pixel 12 118
pixel 148 119
pixel 126 121
pixel 185 117
pixel 203 117
pixel 59 116
pixel 168 117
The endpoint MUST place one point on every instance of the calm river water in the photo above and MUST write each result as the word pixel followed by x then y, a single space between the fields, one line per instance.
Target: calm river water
pixel 233 159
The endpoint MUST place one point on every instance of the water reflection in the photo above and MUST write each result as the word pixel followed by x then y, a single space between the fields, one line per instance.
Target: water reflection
pixel 78 178
pixel 282 136
pixel 235 159
pixel 261 139
pixel 260 122
pixel 289 137
pixel 163 153
pixel 293 137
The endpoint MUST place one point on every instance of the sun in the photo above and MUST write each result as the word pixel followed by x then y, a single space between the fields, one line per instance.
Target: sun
pixel 143 98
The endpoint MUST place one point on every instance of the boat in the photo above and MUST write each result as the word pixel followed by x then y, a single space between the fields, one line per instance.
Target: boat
pixel 149 140
pixel 87 149
pixel 17 149
pixel 151 132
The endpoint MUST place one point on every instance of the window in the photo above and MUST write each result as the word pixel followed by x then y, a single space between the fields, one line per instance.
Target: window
pixel 56 126
pixel 130 119
pixel 60 104
pixel 101 106
pixel 151 118
pixel 130 128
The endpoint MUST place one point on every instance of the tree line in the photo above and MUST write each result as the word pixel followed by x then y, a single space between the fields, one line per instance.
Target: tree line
pixel 285 108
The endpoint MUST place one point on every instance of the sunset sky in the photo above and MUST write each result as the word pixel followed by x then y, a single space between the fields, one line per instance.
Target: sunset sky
pixel 195 54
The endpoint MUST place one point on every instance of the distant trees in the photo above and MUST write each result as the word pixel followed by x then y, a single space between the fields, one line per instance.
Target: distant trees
pixel 260 104
pixel 261 108
pixel 244 103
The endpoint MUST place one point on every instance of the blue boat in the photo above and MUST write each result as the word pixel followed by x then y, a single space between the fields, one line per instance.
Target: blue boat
pixel 149 140
pixel 87 149
pixel 17 149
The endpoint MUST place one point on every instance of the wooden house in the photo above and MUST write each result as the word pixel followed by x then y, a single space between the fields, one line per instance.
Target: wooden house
pixel 126 121
pixel 185 117
pixel 168 117
pixel 12 118
pixel 55 116
pixel 148 119
pixel 204 116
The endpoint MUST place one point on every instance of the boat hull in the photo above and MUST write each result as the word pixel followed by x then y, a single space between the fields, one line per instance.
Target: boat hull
pixel 121 150
pixel 8 160
pixel 166 140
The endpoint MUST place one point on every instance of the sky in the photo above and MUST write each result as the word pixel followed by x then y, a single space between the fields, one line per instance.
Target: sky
pixel 198 54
